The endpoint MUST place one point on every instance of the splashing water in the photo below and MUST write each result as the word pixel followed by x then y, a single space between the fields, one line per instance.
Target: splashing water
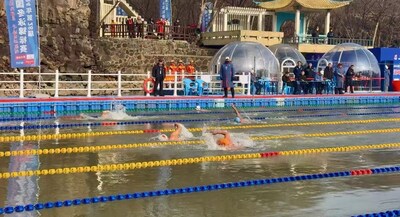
pixel 118 112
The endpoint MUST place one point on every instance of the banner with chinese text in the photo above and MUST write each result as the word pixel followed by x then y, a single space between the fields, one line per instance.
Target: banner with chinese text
pixel 165 10
pixel 23 34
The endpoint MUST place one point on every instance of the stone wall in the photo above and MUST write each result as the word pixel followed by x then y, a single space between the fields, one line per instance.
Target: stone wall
pixel 69 43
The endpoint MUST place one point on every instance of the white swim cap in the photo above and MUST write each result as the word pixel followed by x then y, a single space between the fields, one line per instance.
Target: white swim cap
pixel 237 120
pixel 198 108
pixel 163 137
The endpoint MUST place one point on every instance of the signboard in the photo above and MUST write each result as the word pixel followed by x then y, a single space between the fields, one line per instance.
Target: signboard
pixel 165 10
pixel 23 33
pixel 396 70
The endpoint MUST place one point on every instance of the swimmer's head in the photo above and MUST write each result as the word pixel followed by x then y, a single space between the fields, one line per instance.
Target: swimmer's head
pixel 198 108
pixel 163 137
pixel 223 142
pixel 237 120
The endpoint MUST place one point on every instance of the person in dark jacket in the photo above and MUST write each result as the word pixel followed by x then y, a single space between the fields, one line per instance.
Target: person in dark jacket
pixel 304 82
pixel 158 74
pixel 227 73
pixel 310 74
pixel 330 36
pixel 328 72
pixel 315 35
pixel 297 75
pixel 386 78
pixel 339 78
pixel 349 79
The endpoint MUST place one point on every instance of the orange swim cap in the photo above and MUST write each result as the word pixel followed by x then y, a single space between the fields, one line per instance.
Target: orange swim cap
pixel 223 142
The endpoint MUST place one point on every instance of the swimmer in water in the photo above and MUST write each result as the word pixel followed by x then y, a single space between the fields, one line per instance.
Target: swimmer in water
pixel 238 118
pixel 226 141
pixel 174 135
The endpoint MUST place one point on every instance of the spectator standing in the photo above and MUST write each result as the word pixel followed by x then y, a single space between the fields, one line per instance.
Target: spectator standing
pixel 349 79
pixel 140 26
pixel 297 75
pixel 159 73
pixel 319 86
pixel 177 28
pixel 339 77
pixel 315 35
pixel 227 73
pixel 328 72
pixel 160 28
pixel 387 78
pixel 310 74
pixel 113 28
pixel 151 27
pixel 190 69
pixel 330 36
pixel 130 24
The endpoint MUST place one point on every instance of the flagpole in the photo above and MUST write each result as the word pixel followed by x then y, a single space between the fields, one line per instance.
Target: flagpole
pixel 39 48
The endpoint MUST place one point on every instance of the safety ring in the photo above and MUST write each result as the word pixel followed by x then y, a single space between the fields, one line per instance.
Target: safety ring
pixel 145 82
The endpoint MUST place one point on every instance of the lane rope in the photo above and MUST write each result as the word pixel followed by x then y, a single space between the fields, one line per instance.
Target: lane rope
pixel 112 123
pixel 389 213
pixel 131 132
pixel 94 149
pixel 198 189
pixel 187 161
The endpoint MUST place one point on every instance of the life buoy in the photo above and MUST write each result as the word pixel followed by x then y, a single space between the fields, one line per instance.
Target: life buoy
pixel 147 80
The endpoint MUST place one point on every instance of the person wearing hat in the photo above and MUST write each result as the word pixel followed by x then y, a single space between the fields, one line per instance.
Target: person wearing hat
pixel 227 73
pixel 190 69
pixel 181 67
pixel 339 76
pixel 172 67
pixel 159 73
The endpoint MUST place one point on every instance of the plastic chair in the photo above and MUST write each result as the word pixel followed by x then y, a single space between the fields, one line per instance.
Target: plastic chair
pixel 189 87
pixel 202 87
pixel 330 87
pixel 287 90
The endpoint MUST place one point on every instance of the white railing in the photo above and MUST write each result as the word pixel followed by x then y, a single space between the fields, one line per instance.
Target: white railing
pixel 57 84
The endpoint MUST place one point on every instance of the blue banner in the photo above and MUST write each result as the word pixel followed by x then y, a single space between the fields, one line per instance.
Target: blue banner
pixel 207 14
pixel 165 10
pixel 23 34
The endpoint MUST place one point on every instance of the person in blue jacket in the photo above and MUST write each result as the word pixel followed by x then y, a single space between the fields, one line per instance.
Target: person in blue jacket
pixel 227 73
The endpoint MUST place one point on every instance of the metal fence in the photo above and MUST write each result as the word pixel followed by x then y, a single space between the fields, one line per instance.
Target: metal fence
pixel 149 31
pixel 326 40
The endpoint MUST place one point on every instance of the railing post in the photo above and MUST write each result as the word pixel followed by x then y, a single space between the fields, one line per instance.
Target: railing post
pixel 119 84
pixel 21 83
pixel 176 84
pixel 57 78
pixel 148 84
pixel 249 85
pixel 89 84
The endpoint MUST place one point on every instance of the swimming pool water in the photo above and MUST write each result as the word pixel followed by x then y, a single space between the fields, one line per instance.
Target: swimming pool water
pixel 328 197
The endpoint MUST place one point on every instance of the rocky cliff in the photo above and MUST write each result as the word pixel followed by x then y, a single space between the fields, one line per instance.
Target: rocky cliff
pixel 69 43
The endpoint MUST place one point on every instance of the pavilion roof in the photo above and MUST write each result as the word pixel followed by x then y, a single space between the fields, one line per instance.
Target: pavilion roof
pixel 291 5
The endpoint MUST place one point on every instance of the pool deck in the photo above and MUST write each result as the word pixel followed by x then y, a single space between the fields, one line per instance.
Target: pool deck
pixel 239 97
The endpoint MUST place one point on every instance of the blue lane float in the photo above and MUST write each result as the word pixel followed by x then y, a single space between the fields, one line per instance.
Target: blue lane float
pixel 189 190
pixel 72 105
pixel 113 123
pixel 391 213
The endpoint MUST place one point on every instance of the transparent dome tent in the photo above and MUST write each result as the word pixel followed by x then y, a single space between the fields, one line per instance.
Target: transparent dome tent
pixel 366 66
pixel 287 56
pixel 245 57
